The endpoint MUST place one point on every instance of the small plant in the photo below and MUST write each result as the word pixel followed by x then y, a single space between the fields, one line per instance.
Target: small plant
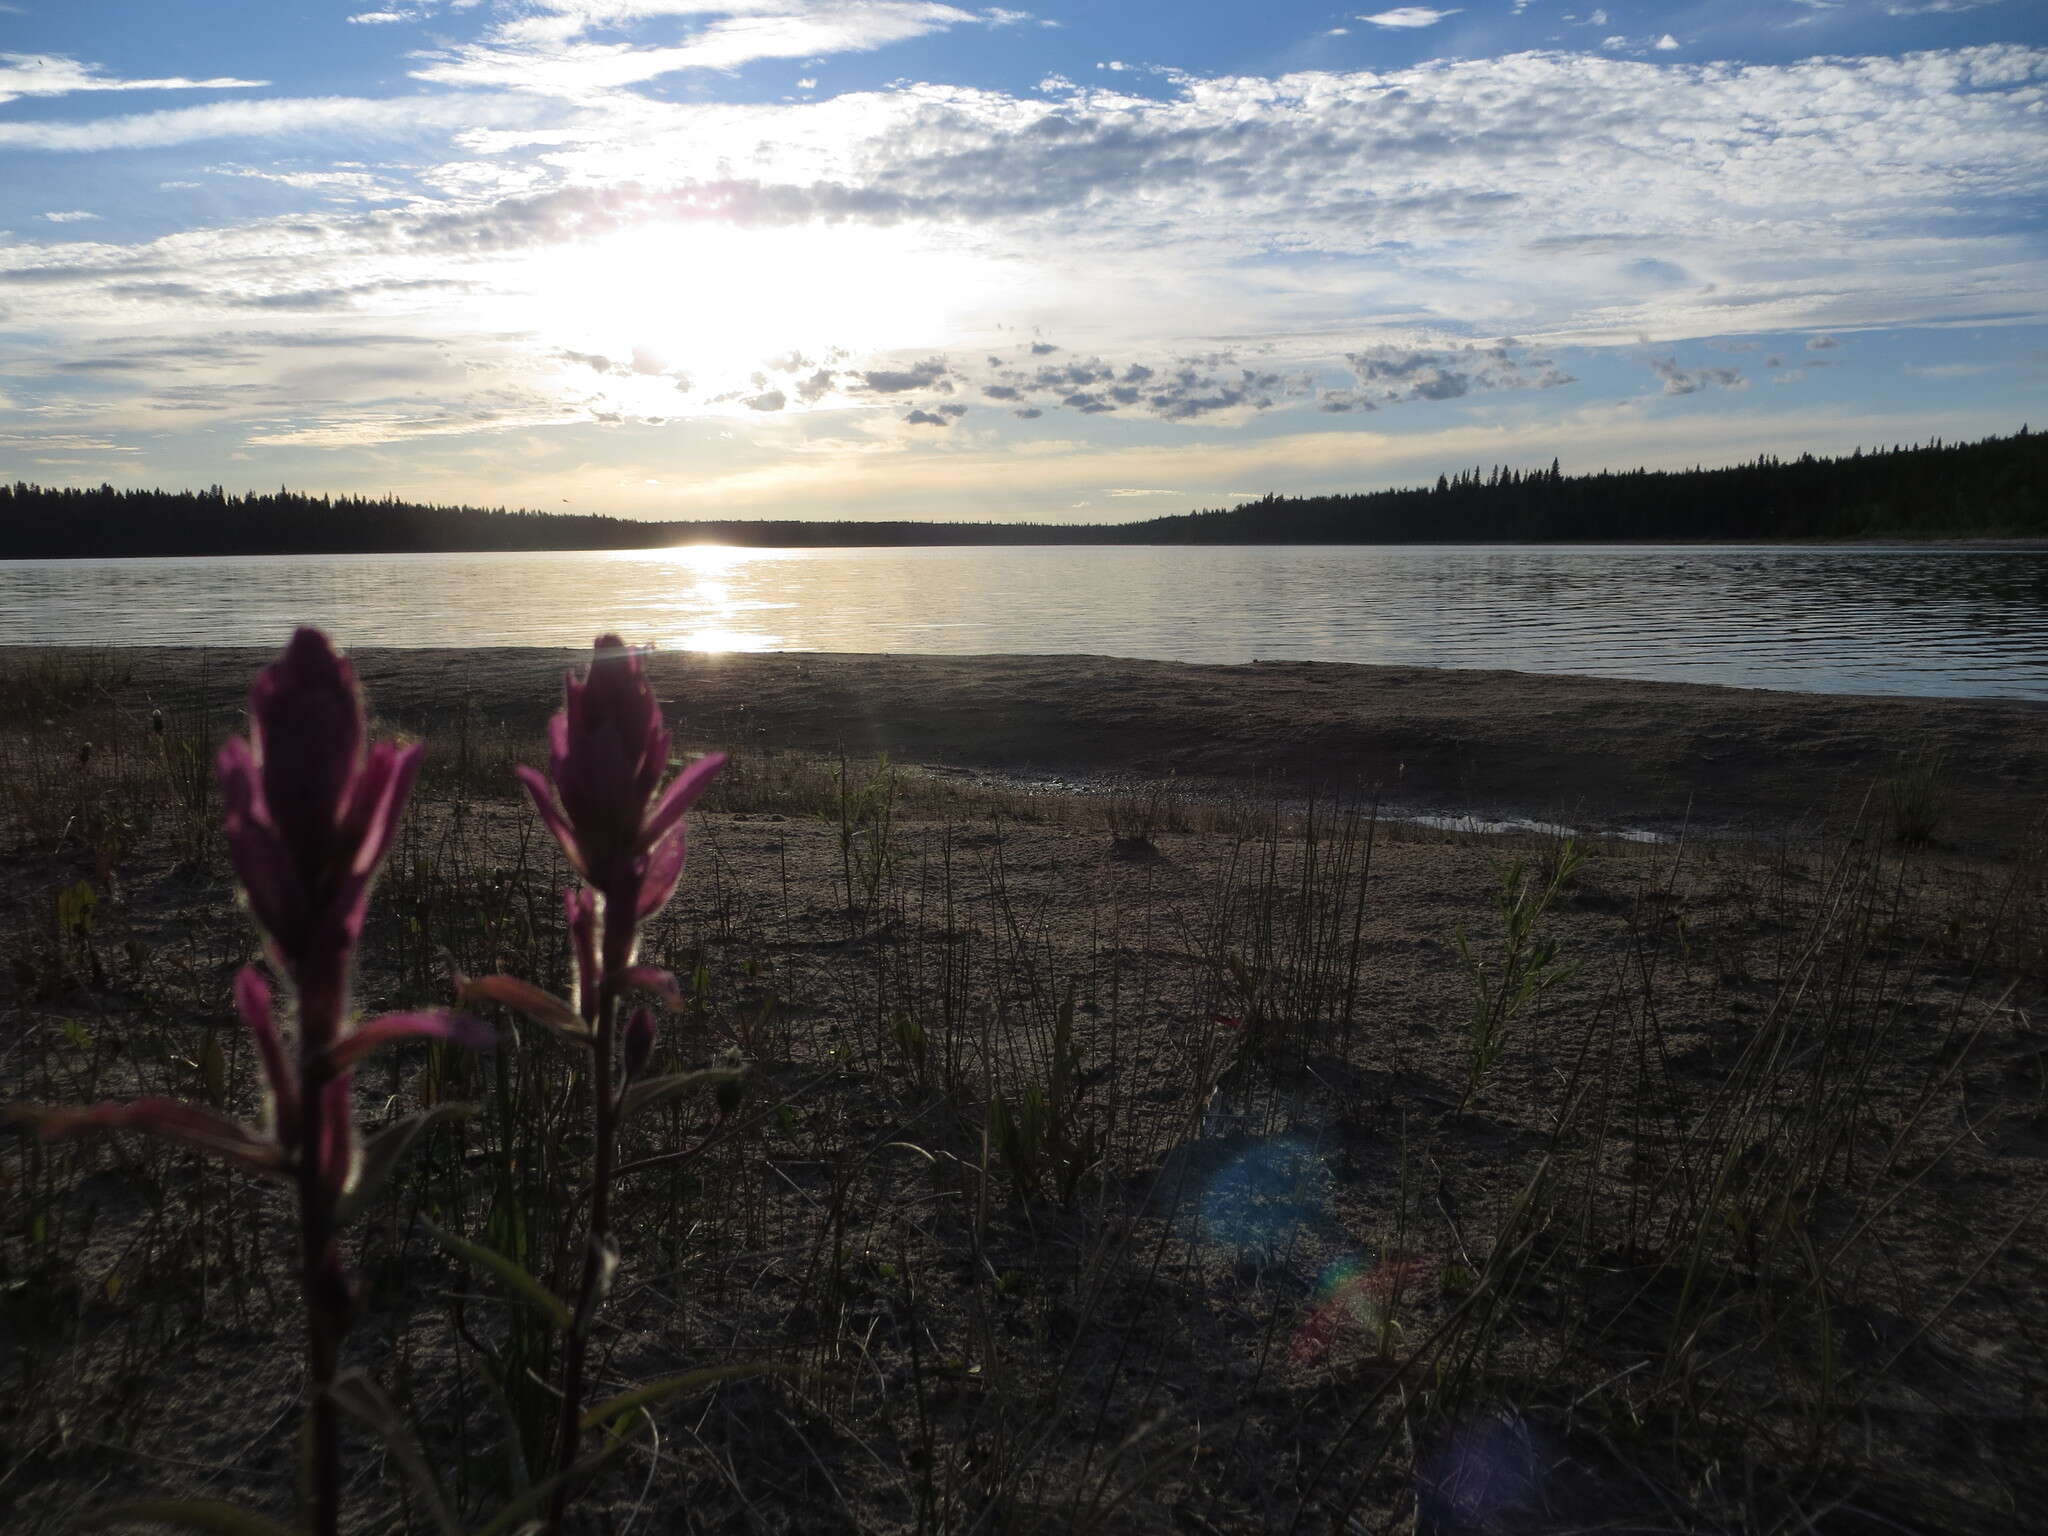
pixel 1510 983
pixel 1044 1134
pixel 1916 795
pixel 598 797
pixel 864 816
pixel 1136 812
pixel 179 740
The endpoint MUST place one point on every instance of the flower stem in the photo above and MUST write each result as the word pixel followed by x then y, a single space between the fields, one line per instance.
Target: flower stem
pixel 604 1119
pixel 326 1299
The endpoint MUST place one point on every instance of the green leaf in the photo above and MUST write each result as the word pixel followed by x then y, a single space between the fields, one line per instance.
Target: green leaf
pixel 522 1285
pixel 651 1091
pixel 382 1152
pixel 674 1386
pixel 214 1516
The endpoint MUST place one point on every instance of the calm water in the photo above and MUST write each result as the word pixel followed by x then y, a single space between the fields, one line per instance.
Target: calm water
pixel 1910 620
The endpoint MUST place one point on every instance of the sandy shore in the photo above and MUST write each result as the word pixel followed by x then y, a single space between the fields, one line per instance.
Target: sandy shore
pixel 1593 751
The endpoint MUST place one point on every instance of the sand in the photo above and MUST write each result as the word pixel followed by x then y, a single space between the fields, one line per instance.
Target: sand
pixel 1601 752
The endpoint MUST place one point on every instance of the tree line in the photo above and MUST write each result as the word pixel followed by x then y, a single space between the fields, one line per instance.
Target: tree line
pixel 1991 488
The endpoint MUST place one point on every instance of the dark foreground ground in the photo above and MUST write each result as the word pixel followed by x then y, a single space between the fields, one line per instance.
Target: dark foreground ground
pixel 1192 1153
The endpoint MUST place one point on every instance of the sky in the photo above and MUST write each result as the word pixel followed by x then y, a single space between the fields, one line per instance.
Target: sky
pixel 1063 260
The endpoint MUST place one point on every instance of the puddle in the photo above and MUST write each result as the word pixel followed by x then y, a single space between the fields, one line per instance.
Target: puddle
pixel 1526 827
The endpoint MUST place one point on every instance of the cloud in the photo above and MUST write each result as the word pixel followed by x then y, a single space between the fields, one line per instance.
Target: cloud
pixel 895 381
pixel 768 400
pixel 74 216
pixel 1679 381
pixel 1410 16
pixel 1393 375
pixel 927 419
pixel 543 50
pixel 56 74
pixel 388 117
pixel 1934 7
pixel 1541 192
pixel 335 185
pixel 1821 344
pixel 1639 46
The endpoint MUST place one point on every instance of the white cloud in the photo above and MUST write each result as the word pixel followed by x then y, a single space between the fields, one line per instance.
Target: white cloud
pixel 1410 16
pixel 345 185
pixel 543 50
pixel 75 216
pixel 55 74
pixel 1665 43
pixel 389 117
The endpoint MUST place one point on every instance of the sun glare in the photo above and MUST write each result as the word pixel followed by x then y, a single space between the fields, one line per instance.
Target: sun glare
pixel 714 305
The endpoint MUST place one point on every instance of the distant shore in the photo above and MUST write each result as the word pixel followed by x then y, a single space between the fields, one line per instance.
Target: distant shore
pixel 1995 489
pixel 1580 750
pixel 1930 541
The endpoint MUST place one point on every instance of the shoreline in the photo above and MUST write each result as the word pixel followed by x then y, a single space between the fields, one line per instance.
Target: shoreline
pixel 1555 748
pixel 1990 543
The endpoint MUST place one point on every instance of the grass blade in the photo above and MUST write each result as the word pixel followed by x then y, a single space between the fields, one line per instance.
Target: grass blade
pixel 518 1281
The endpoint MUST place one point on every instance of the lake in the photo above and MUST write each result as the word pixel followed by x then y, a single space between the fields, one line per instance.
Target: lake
pixel 1969 622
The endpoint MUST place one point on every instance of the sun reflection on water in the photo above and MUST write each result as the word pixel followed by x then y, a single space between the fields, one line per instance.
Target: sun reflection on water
pixel 711 595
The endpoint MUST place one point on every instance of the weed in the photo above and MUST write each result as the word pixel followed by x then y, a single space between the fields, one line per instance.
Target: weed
pixel 1511 981
pixel 1916 795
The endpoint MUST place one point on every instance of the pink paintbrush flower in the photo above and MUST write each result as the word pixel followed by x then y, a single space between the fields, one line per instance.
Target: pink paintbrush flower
pixel 311 811
pixel 607 753
pixel 603 800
